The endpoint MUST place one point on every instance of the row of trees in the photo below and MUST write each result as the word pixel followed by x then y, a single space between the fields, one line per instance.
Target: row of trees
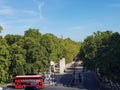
pixel 101 52
pixel 32 52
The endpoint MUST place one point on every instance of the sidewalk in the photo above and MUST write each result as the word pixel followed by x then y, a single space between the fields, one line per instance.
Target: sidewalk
pixel 102 85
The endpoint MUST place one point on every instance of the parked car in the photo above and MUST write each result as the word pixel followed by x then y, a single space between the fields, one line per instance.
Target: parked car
pixel 32 88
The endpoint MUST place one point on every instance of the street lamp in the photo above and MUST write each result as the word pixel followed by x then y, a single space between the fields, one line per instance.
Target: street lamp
pixel 52 74
pixel 74 74
pixel 52 67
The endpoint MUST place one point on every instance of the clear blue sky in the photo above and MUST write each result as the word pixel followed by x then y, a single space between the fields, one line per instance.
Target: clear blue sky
pixel 75 19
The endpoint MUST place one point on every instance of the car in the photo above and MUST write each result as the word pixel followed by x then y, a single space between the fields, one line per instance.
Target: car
pixel 32 88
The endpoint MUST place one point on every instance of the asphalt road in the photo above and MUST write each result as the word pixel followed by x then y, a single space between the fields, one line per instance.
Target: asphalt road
pixel 61 88
pixel 52 88
pixel 90 81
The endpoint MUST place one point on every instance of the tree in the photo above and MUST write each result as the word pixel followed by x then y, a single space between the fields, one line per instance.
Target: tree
pixel 35 52
pixel 11 39
pixel 71 49
pixel 17 60
pixel 100 52
pixel 1 29
pixel 4 60
pixel 32 53
pixel 32 33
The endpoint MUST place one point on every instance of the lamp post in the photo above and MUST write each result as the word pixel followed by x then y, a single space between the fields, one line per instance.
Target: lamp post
pixel 52 70
pixel 52 66
pixel 74 74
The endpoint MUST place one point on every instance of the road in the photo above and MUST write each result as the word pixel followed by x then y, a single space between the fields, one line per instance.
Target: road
pixel 90 81
pixel 61 88
pixel 52 88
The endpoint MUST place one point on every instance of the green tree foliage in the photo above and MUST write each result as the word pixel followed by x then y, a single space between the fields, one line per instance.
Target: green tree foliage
pixel 1 29
pixel 100 52
pixel 71 49
pixel 33 33
pixel 4 60
pixel 51 44
pixel 34 50
pixel 11 39
pixel 17 60
pixel 32 53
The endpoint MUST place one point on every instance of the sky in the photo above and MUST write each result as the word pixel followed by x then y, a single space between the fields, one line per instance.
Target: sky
pixel 75 19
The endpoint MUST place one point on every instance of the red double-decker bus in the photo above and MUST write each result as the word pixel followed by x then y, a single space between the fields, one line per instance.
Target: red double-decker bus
pixel 28 80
